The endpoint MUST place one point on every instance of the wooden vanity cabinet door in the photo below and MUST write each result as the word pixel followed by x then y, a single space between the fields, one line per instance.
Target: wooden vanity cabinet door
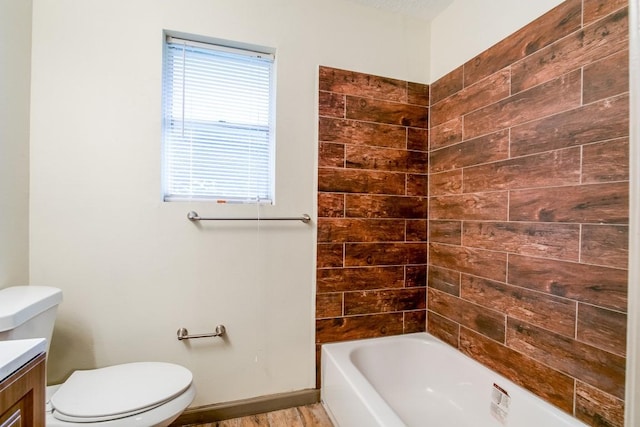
pixel 22 396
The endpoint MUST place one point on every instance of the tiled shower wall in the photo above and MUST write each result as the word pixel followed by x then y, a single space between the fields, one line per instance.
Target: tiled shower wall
pixel 528 208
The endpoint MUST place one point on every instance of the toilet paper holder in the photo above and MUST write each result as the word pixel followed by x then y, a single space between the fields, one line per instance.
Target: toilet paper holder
pixel 183 334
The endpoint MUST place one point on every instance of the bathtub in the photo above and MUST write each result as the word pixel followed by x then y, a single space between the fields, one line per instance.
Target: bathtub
pixel 418 380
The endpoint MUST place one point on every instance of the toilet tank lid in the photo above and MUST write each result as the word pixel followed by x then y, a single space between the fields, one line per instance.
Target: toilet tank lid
pixel 21 303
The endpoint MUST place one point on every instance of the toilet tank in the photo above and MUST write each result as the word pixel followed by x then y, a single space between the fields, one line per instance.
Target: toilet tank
pixel 28 312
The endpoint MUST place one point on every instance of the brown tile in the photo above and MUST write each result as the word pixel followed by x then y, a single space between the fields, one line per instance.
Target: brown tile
pixel 372 206
pixel 330 205
pixel 444 280
pixel 330 255
pixel 370 254
pixel 542 380
pixel 328 305
pixel 449 232
pixel 479 206
pixel 416 276
pixel 358 327
pixel 606 161
pixel 552 313
pixel 443 328
pixel 417 139
pixel 602 286
pixel 394 113
pixel 593 203
pixel 545 30
pixel 337 230
pixel 359 278
pixel 314 416
pixel 417 230
pixel 589 364
pixel 597 9
pixel 488 322
pixel 418 94
pixel 593 43
pixel 360 181
pixel 445 183
pixel 484 149
pixel 447 85
pixel 382 301
pixel 417 185
pixel 606 78
pixel 485 92
pixel 597 408
pixel 415 321
pixel 605 245
pixel 285 417
pixel 361 133
pixel 602 120
pixel 361 84
pixel 555 96
pixel 479 262
pixel 602 328
pixel 535 239
pixel 331 155
pixel 386 159
pixel 446 134
pixel 331 104
pixel 561 167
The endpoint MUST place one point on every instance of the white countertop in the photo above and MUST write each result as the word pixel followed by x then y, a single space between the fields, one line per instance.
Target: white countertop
pixel 15 353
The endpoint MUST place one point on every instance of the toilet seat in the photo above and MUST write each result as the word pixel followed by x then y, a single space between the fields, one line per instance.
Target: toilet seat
pixel 118 391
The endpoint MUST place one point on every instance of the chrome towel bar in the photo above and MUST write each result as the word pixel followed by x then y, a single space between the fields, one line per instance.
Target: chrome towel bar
pixel 193 216
pixel 183 334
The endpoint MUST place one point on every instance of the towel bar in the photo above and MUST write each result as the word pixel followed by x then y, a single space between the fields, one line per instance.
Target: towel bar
pixel 183 334
pixel 193 216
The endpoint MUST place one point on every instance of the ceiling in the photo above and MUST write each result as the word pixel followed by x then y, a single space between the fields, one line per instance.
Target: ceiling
pixel 423 9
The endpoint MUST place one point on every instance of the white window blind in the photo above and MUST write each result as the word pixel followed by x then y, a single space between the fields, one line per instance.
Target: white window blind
pixel 217 124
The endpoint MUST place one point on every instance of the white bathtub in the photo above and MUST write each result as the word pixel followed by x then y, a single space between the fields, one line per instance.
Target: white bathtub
pixel 418 380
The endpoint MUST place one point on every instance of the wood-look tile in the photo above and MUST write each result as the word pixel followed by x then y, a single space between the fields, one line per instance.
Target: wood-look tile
pixel 602 328
pixel 374 206
pixel 286 417
pixel 360 181
pixel 446 134
pixel 597 408
pixel 555 96
pixel 477 206
pixel 394 113
pixel 606 161
pixel 331 104
pixel 334 230
pixel 386 159
pixel 589 364
pixel 593 203
pixel 554 25
pixel 449 232
pixel 561 167
pixel 445 183
pixel 361 84
pixel 549 312
pixel 330 205
pixel 370 254
pixel 330 255
pixel 488 322
pixel 361 133
pixel 606 245
pixel 417 230
pixel 331 155
pixel 418 94
pixel 533 375
pixel 606 78
pixel 559 241
pixel 314 416
pixel 358 327
pixel 443 328
pixel 416 276
pixel 415 321
pixel 489 148
pixel 444 280
pixel 603 120
pixel 418 139
pixel 329 305
pixel 601 286
pixel 447 85
pixel 417 185
pixel 591 44
pixel 383 301
pixel 485 92
pixel 597 9
pixel 478 262
pixel 360 278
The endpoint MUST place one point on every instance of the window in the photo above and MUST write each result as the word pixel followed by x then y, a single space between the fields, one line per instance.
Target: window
pixel 217 123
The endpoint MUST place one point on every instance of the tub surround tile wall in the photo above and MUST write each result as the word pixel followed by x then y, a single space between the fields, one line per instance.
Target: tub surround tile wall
pixel 372 206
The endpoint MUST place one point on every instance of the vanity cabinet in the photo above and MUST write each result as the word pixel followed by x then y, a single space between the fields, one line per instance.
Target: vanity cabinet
pixel 22 395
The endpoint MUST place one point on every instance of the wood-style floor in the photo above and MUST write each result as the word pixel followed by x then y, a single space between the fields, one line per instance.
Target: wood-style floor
pixel 301 416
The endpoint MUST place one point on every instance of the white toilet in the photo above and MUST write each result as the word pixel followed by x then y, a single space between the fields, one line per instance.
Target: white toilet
pixel 142 394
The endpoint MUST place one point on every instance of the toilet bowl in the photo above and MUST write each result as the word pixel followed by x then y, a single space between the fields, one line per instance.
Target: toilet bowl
pixel 140 394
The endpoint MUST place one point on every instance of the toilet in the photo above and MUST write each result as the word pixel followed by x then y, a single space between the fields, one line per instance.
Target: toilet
pixel 140 394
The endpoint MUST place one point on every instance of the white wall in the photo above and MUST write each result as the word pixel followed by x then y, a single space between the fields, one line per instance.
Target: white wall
pixel 15 73
pixel 134 269
pixel 468 27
